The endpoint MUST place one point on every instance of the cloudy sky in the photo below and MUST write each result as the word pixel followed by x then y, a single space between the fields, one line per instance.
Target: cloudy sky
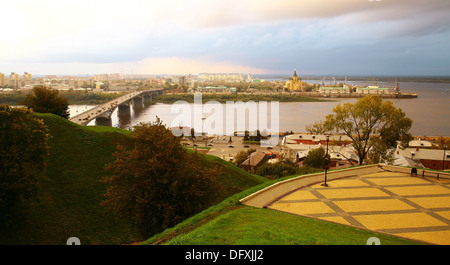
pixel 324 37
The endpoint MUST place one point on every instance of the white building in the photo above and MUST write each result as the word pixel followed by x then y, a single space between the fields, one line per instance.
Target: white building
pixel 297 146
pixel 372 90
pixel 334 90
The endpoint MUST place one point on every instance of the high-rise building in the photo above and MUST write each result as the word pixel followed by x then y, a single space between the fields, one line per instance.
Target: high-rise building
pixel 27 77
pixel 101 77
pixel 2 80
pixel 14 80
pixel 115 76
pixel 182 80
pixel 220 77
pixel 14 76
pixel 50 77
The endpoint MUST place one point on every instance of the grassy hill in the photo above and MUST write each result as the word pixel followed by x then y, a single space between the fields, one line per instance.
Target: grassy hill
pixel 70 196
pixel 70 191
pixel 231 223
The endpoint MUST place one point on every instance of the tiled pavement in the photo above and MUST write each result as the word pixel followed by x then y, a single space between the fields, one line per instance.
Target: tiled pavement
pixel 390 202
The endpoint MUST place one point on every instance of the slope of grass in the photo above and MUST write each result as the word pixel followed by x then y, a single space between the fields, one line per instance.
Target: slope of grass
pixel 71 192
pixel 231 223
pixel 255 226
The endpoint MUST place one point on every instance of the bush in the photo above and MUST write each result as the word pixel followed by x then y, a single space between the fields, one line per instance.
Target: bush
pixel 23 141
pixel 47 100
pixel 282 169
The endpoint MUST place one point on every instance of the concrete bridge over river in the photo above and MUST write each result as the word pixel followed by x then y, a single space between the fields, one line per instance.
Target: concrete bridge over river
pixel 103 112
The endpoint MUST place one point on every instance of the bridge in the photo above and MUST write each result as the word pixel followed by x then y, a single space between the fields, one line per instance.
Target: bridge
pixel 104 111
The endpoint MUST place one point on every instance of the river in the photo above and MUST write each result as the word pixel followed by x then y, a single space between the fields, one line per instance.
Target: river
pixel 430 112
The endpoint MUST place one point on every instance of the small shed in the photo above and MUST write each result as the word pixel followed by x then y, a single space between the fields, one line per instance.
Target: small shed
pixel 255 160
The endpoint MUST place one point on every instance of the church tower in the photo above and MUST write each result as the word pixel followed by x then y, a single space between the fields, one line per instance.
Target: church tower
pixel 295 77
pixel 295 83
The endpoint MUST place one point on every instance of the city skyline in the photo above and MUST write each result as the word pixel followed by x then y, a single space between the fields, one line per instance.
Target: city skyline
pixel 354 37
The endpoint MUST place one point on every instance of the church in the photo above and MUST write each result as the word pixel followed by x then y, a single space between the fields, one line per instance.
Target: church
pixel 294 83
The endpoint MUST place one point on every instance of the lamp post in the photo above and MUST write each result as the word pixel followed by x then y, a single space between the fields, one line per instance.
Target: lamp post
pixel 443 158
pixel 327 162
pixel 249 164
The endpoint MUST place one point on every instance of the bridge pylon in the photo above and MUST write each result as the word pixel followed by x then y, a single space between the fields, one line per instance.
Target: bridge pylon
pixel 103 121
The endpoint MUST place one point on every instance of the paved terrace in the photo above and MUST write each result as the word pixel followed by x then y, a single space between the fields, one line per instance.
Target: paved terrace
pixel 384 199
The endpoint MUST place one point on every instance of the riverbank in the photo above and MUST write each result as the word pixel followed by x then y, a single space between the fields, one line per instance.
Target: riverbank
pixel 223 98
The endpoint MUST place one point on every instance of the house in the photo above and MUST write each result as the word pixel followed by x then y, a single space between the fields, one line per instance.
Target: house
pixel 341 156
pixel 423 158
pixel 420 144
pixel 255 160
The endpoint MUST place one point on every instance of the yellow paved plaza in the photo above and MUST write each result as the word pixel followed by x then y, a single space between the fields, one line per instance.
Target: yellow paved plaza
pixel 395 203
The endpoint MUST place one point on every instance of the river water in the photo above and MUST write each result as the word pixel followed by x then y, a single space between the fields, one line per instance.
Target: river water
pixel 430 112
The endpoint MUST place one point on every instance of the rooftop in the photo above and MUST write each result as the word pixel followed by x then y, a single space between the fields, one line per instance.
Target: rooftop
pixel 290 139
pixel 255 159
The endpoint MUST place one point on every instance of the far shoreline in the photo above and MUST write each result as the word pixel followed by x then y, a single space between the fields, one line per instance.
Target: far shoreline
pixel 223 98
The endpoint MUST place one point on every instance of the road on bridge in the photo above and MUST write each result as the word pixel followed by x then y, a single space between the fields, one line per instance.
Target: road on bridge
pixel 97 111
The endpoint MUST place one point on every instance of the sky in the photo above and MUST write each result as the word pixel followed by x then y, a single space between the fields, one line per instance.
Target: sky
pixel 320 37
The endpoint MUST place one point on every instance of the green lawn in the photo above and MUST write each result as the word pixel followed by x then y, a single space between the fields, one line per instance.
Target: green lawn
pixel 254 226
pixel 231 223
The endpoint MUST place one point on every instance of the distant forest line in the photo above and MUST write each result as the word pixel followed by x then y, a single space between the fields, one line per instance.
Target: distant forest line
pixel 87 98
pixel 74 97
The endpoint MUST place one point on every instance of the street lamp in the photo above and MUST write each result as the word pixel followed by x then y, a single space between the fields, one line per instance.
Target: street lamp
pixel 327 163
pixel 443 158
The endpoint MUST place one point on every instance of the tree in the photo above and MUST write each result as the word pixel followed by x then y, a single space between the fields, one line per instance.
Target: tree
pixel 316 128
pixel 317 158
pixel 47 100
pixel 442 141
pixel 158 183
pixel 372 125
pixel 23 150
pixel 192 134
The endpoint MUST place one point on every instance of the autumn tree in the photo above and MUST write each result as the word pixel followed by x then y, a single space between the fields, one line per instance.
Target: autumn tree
pixel 316 128
pixel 23 150
pixel 46 100
pixel 158 183
pixel 442 142
pixel 373 125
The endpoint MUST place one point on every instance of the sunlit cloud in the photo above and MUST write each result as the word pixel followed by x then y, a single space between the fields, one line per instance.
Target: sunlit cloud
pixel 257 35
